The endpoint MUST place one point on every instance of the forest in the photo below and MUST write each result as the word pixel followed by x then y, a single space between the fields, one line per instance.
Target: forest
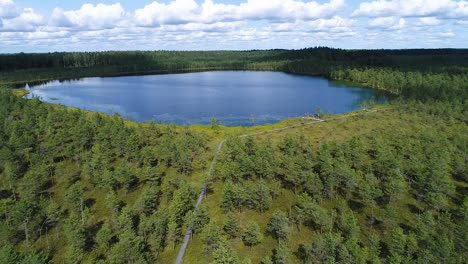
pixel 417 74
pixel 382 186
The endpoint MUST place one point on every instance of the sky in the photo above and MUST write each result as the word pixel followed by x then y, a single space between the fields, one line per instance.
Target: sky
pixel 72 25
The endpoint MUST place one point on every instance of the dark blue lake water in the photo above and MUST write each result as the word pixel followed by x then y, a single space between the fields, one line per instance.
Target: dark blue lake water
pixel 233 97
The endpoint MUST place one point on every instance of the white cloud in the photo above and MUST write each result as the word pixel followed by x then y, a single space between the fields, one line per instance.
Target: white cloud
pixel 201 27
pixel 89 16
pixel 176 12
pixel 447 34
pixel 461 11
pixel 27 20
pixel 288 9
pixel 14 19
pixel 387 23
pixel 413 8
pixel 247 24
pixel 8 9
pixel 336 24
pixel 332 25
pixel 184 11
pixel 429 21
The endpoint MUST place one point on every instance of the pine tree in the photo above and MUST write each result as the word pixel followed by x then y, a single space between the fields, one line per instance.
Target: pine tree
pixel 211 237
pixel 103 238
pixel 279 225
pixel 224 255
pixel 231 225
pixel 173 233
pixel 282 254
pixel 252 235
pixel 200 218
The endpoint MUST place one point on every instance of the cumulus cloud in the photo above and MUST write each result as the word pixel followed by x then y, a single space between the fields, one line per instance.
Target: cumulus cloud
pixel 89 16
pixel 184 11
pixel 176 12
pixel 8 9
pixel 288 9
pixel 413 8
pixel 387 23
pixel 15 19
pixel 242 24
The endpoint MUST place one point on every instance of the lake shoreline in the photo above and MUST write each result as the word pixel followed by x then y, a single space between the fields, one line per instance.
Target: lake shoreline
pixel 234 98
pixel 221 129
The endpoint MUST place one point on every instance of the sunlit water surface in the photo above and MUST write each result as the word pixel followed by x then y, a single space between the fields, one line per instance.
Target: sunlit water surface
pixel 233 97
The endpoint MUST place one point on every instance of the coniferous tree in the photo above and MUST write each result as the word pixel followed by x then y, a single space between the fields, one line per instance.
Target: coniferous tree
pixel 252 234
pixel 224 255
pixel 231 225
pixel 279 225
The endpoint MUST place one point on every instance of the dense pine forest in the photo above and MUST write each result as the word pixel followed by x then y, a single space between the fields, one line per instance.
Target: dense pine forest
pixel 383 186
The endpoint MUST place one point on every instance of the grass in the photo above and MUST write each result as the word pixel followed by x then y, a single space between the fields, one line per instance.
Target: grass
pixel 20 92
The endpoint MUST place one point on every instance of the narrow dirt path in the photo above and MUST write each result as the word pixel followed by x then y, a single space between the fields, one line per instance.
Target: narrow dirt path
pixel 188 234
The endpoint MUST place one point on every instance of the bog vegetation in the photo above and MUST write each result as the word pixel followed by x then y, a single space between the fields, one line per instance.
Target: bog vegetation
pixel 373 187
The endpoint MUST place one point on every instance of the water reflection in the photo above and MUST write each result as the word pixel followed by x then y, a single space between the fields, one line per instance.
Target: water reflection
pixel 194 98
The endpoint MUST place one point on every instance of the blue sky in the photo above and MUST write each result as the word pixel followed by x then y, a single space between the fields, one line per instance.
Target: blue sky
pixel 53 25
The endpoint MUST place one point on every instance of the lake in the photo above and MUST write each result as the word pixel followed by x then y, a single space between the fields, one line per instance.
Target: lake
pixel 233 97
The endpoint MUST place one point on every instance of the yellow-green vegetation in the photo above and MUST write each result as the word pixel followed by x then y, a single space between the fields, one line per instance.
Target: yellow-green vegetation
pixel 20 92
pixel 362 179
pixel 67 173
pixel 81 186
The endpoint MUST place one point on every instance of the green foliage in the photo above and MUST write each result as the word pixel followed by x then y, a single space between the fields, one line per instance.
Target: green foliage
pixel 214 123
pixel 462 228
pixel 181 204
pixel 392 195
pixel 420 74
pixel 253 195
pixel 129 249
pixel 81 177
pixel 8 254
pixel 231 225
pixel 310 213
pixel 252 234
pixel 200 218
pixel 279 225
pixel 223 255
pixel 103 238
pixel 282 254
pixel 211 236
pixel 149 200
pixel 173 233
pixel 383 187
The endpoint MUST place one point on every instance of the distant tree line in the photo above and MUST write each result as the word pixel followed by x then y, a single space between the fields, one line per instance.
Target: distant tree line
pixel 421 74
